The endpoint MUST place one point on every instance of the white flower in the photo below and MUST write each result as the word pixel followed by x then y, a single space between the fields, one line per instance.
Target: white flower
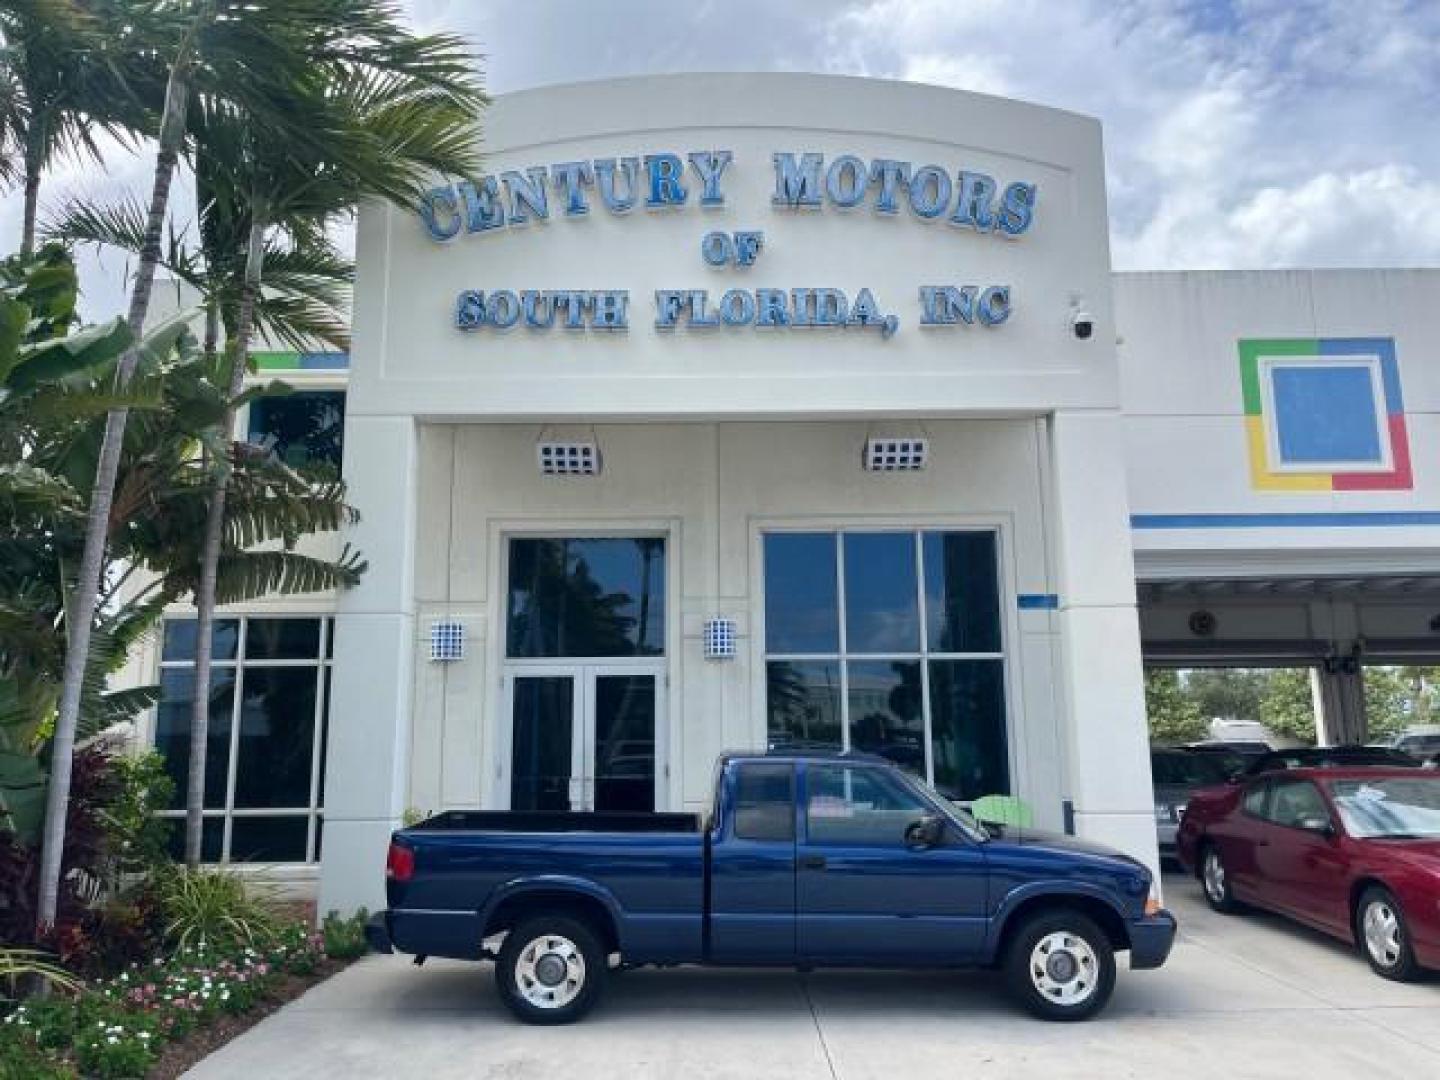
pixel 112 1040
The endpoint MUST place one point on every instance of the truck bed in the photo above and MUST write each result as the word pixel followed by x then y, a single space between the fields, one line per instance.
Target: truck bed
pixel 527 822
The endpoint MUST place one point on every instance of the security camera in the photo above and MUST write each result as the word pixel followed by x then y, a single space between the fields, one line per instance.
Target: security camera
pixel 1082 324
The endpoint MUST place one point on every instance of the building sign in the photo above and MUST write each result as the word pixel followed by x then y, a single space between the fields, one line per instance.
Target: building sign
pixel 804 182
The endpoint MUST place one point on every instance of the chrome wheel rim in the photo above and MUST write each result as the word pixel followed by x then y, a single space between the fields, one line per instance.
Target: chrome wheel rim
pixel 550 972
pixel 1382 933
pixel 1064 968
pixel 1214 877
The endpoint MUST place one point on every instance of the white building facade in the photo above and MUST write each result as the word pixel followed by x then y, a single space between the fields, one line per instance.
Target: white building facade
pixel 730 411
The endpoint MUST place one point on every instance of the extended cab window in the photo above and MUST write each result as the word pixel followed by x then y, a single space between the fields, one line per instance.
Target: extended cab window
pixel 765 802
pixel 848 804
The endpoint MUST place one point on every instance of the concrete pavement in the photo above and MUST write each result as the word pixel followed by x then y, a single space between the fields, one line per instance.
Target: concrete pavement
pixel 1242 996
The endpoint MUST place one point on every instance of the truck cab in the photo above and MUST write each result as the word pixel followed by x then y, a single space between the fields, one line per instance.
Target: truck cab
pixel 807 859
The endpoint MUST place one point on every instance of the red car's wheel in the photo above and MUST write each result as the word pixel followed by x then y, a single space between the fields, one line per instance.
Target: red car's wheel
pixel 1383 936
pixel 1215 880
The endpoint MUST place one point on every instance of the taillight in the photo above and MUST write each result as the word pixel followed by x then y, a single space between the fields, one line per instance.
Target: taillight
pixel 400 863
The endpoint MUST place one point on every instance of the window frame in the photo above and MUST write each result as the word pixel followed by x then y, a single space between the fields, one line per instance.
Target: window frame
pixel 916 528
pixel 322 664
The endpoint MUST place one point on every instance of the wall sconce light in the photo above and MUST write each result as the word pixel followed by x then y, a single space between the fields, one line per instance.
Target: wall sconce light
pixel 447 641
pixel 720 639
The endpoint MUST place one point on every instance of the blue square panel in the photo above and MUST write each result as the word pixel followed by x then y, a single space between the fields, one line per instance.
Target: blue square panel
pixel 1326 415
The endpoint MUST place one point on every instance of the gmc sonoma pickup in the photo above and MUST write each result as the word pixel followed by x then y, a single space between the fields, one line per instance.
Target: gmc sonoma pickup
pixel 808 860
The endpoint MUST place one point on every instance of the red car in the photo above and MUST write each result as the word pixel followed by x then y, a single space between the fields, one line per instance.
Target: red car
pixel 1354 852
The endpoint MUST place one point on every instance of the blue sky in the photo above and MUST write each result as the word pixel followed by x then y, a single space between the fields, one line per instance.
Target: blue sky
pixel 1238 133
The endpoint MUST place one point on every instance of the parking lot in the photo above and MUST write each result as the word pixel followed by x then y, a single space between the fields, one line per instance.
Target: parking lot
pixel 1246 996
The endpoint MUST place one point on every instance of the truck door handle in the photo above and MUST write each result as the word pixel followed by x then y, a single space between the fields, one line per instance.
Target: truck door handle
pixel 813 862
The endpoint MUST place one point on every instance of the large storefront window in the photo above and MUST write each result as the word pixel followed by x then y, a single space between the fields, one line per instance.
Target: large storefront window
pixel 890 642
pixel 264 766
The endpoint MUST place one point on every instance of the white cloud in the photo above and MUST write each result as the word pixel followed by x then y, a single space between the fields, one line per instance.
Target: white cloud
pixel 1238 132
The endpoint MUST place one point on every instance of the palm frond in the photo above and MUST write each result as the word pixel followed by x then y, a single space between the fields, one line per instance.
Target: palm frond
pixel 248 575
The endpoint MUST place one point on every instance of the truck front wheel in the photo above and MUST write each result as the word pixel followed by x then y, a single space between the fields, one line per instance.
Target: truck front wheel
pixel 1060 966
pixel 551 970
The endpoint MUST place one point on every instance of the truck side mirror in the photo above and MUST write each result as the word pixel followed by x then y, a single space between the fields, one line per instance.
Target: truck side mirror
pixel 925 833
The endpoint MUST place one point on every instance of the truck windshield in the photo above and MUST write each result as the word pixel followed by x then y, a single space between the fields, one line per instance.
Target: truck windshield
pixel 1389 808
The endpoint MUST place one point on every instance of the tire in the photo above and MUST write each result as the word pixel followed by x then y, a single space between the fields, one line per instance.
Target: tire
pixel 546 948
pixel 1060 966
pixel 1383 935
pixel 1215 881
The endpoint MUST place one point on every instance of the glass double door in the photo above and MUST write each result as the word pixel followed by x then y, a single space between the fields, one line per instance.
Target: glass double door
pixel 586 737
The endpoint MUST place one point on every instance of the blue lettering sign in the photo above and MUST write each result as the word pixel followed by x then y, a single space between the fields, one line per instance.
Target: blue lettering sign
pixel 797 185
pixel 610 195
pixel 708 165
pixel 665 171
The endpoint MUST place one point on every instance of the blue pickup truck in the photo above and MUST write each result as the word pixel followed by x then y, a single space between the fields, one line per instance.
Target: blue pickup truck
pixel 807 860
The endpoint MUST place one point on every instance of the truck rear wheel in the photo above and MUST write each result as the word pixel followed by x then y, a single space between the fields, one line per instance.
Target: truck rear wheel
pixel 551 970
pixel 1060 966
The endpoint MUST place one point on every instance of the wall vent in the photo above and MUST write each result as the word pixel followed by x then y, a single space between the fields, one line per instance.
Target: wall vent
pixel 568 458
pixel 896 455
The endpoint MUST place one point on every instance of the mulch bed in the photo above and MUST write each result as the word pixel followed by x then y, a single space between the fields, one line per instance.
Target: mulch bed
pixel 176 1057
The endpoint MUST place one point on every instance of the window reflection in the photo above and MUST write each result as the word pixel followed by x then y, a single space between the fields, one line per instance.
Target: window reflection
pixel 803 702
pixel 303 430
pixel 924 700
pixel 801 594
pixel 882 611
pixel 582 597
pixel 887 715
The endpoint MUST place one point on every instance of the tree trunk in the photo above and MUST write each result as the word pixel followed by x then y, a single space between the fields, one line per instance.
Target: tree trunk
pixel 32 202
pixel 80 611
pixel 213 539
pixel 212 327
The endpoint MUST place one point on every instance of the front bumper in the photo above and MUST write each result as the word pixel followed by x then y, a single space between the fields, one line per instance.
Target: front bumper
pixel 377 932
pixel 1151 939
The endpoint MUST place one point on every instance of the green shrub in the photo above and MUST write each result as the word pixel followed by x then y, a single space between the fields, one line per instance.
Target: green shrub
pixel 212 907
pixel 116 1046
pixel 345 938
pixel 138 840
pixel 49 1023
pixel 21 1059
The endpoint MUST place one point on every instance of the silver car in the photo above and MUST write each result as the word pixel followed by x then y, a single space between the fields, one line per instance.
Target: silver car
pixel 1176 773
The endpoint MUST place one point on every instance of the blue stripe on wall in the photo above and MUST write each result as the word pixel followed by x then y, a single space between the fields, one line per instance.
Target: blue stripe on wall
pixel 1355 520
pixel 1037 601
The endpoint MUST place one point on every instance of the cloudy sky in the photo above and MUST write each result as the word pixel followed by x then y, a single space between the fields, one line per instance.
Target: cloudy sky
pixel 1239 133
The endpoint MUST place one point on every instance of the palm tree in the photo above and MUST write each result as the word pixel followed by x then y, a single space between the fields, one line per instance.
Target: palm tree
pixel 377 134
pixel 55 390
pixel 70 70
pixel 250 52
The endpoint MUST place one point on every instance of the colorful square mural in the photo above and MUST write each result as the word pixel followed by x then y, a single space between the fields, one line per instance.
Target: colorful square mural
pixel 1324 414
